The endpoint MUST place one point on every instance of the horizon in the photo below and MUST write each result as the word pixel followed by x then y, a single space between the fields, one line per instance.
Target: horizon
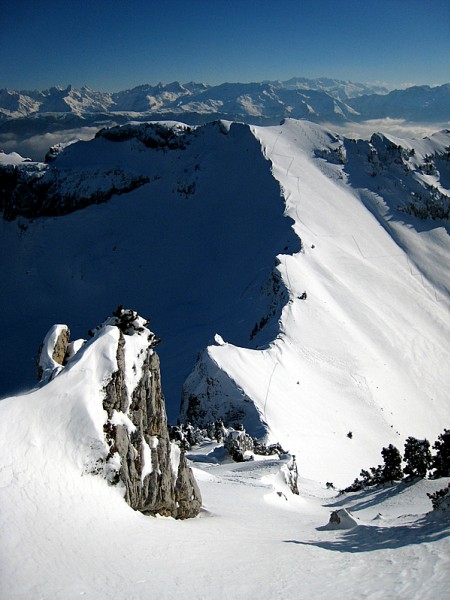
pixel 111 47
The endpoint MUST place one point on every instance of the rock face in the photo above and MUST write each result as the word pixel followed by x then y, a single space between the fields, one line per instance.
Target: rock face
pixel 153 480
pixel 154 472
pixel 137 450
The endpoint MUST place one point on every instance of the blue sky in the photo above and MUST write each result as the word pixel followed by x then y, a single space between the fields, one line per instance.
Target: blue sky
pixel 112 45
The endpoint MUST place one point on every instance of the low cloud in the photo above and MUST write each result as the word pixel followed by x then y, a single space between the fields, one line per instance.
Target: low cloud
pixel 397 127
pixel 36 146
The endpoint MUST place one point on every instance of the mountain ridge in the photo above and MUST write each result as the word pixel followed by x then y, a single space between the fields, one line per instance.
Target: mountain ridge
pixel 320 100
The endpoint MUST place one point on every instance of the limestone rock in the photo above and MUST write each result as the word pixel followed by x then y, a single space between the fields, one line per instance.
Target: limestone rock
pixel 342 519
pixel 52 352
pixel 239 444
pixel 134 447
pixel 156 477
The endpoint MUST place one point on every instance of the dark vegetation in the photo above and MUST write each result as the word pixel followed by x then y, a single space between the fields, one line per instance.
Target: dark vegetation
pixel 418 459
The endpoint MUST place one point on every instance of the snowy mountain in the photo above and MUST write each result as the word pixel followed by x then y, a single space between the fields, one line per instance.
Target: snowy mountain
pixel 32 121
pixel 417 103
pixel 187 224
pixel 320 100
pixel 54 100
pixel 299 281
pixel 335 87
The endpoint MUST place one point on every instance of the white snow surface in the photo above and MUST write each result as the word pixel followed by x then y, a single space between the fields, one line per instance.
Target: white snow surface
pixel 12 158
pixel 360 353
pixel 66 534
pixel 366 352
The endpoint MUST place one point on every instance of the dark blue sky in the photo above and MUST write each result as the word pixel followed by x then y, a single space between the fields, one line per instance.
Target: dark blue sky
pixel 112 45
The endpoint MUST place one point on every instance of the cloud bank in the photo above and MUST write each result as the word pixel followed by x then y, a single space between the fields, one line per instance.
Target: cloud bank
pixel 36 146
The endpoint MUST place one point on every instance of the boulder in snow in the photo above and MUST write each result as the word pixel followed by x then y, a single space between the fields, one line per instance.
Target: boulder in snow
pixel 341 519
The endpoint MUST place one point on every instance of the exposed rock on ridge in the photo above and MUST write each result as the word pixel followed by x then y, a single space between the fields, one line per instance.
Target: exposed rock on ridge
pixel 52 352
pixel 136 449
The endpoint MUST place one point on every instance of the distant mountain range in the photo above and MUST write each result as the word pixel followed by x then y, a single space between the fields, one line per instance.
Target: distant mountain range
pixel 319 100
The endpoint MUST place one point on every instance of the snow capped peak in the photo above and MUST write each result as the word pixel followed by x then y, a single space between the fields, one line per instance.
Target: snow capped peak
pixel 323 100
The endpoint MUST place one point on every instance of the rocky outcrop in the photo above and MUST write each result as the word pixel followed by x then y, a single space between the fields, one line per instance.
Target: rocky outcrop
pixel 411 178
pixel 341 519
pixel 136 450
pixel 155 473
pixel 52 352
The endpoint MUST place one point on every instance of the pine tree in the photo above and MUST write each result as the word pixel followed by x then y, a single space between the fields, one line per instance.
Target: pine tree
pixel 417 457
pixel 441 499
pixel 392 468
pixel 441 460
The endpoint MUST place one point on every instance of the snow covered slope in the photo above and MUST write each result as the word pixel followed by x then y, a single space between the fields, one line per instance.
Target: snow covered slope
pixel 66 534
pixel 351 366
pixel 367 351
pixel 364 351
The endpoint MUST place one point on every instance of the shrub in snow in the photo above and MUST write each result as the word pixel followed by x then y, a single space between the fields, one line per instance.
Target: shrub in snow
pixel 263 450
pixel 186 435
pixel 441 460
pixel 440 499
pixel 417 457
pixel 292 475
pixel 238 443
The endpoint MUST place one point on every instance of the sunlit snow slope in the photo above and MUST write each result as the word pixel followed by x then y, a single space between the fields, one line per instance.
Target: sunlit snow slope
pixel 359 362
pixel 367 351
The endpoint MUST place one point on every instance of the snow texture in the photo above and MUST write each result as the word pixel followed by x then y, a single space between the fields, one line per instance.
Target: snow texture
pixel 365 351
